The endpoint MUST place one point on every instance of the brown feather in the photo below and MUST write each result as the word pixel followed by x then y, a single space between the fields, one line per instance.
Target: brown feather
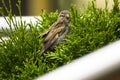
pixel 56 33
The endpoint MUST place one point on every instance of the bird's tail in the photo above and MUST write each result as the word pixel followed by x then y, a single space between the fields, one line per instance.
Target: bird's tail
pixel 41 53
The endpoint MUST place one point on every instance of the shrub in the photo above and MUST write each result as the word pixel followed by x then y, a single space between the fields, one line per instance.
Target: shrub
pixel 91 29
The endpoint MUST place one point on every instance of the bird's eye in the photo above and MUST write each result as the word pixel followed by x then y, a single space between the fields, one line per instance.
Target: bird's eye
pixel 62 15
pixel 67 17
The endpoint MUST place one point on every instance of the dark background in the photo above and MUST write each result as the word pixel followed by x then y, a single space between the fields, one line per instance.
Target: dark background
pixel 35 7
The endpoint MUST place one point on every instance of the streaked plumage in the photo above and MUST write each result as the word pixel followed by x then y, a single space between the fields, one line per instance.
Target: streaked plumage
pixel 56 33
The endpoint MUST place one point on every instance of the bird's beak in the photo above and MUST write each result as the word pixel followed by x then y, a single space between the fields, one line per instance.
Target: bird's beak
pixel 67 15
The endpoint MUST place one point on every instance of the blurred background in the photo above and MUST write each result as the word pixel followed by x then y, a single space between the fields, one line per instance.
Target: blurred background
pixel 35 7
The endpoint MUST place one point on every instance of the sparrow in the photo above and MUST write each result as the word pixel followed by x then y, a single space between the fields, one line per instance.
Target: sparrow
pixel 56 33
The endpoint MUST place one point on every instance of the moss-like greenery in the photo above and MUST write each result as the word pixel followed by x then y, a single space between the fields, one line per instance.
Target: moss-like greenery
pixel 91 30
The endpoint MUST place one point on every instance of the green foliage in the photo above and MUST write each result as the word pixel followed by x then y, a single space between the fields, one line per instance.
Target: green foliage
pixel 91 30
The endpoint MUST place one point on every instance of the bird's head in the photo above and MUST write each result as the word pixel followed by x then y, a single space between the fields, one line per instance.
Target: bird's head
pixel 64 16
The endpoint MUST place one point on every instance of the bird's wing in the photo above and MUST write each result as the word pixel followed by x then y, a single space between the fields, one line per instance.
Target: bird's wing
pixel 52 36
pixel 48 44
pixel 43 35
pixel 53 32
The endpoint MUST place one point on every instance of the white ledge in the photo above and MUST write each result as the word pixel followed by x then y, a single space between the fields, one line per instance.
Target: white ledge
pixel 90 67
pixel 27 19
